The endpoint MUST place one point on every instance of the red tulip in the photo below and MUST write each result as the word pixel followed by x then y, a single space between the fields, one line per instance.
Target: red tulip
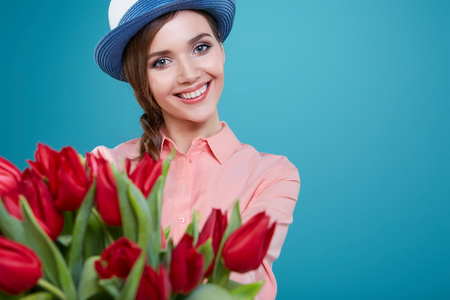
pixel 118 259
pixel 41 202
pixel 38 196
pixel 71 180
pixel 106 195
pixel 9 177
pixel 10 186
pixel 214 228
pixel 20 268
pixel 155 286
pixel 246 247
pixel 46 161
pixel 145 174
pixel 65 173
pixel 186 267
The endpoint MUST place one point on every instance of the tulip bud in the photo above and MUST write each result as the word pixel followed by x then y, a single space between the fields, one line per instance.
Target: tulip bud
pixel 246 247
pixel 71 181
pixel 118 259
pixel 214 228
pixel 10 187
pixel 186 267
pixel 106 195
pixel 145 174
pixel 65 173
pixel 20 267
pixel 46 161
pixel 9 177
pixel 154 285
pixel 41 202
pixel 33 187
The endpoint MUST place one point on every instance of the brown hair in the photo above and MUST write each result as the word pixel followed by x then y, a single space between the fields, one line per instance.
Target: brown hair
pixel 134 62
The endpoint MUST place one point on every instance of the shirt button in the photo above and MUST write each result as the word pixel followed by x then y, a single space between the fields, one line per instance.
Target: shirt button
pixel 181 220
pixel 190 160
pixel 199 142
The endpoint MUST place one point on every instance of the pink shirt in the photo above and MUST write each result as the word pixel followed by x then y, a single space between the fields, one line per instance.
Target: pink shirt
pixel 213 174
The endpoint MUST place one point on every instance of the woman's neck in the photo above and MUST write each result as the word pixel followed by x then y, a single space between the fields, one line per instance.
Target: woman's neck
pixel 183 133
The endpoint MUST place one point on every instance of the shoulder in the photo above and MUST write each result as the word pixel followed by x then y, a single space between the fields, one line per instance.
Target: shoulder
pixel 119 153
pixel 269 167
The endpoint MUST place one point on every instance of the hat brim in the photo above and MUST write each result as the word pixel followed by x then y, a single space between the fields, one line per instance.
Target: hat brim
pixel 108 52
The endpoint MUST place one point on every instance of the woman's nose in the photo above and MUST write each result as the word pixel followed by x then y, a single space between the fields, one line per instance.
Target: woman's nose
pixel 188 71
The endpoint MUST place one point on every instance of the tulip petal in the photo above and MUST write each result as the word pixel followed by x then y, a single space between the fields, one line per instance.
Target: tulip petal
pixel 186 267
pixel 20 267
pixel 246 247
pixel 106 195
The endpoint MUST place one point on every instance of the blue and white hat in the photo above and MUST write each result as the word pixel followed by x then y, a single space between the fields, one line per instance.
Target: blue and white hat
pixel 127 17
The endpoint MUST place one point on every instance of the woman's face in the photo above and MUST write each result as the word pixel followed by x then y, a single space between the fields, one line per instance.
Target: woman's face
pixel 186 70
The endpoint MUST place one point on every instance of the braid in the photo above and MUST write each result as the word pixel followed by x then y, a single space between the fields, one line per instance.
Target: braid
pixel 151 138
pixel 134 62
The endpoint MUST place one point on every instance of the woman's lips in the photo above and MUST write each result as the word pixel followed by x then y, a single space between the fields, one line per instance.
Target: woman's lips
pixel 195 96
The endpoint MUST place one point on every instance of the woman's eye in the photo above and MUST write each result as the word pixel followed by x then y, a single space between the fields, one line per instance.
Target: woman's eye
pixel 201 48
pixel 160 63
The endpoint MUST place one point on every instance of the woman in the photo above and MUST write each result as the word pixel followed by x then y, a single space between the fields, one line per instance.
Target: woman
pixel 171 53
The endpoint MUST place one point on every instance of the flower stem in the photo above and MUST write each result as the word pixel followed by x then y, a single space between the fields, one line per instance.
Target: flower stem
pixel 108 235
pixel 51 288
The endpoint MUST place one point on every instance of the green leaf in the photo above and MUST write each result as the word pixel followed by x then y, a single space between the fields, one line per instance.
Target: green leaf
pixel 208 252
pixel 247 291
pixel 68 223
pixel 167 232
pixel 11 227
pixel 89 280
pixel 210 291
pixel 111 286
pixel 5 296
pixel 129 290
pixel 167 254
pixel 64 240
pixel 97 224
pixel 154 203
pixel 221 274
pixel 140 210
pixel 129 222
pixel 38 296
pixel 192 229
pixel 234 223
pixel 78 235
pixel 53 262
pixel 166 163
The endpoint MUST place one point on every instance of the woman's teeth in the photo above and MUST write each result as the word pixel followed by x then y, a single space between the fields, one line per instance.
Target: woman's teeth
pixel 194 93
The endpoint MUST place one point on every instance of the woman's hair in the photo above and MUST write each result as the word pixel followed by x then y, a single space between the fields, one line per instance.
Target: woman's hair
pixel 134 62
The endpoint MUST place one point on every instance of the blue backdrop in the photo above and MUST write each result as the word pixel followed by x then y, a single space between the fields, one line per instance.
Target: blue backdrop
pixel 355 93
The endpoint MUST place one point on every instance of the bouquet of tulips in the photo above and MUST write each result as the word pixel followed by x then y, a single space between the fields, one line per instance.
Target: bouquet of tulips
pixel 79 228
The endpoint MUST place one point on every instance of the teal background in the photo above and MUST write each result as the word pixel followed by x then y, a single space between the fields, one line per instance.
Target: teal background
pixel 355 93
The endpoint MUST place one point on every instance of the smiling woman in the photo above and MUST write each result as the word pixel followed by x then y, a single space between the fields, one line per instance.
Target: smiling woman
pixel 184 65
pixel 172 54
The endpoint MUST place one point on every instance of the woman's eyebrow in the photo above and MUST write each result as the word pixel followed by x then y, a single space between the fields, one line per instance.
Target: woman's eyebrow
pixel 198 37
pixel 159 53
pixel 191 41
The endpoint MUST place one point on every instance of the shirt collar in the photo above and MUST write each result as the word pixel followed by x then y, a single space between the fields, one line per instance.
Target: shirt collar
pixel 223 144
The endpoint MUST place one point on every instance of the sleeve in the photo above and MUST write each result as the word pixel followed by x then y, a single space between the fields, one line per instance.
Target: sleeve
pixel 118 154
pixel 277 196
